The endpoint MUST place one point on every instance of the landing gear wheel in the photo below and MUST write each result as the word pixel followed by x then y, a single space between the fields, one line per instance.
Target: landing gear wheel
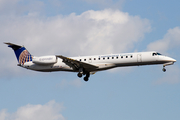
pixel 164 69
pixel 86 79
pixel 79 75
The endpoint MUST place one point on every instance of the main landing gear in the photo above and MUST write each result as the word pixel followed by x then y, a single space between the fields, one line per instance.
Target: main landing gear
pixel 82 72
pixel 86 78
pixel 79 75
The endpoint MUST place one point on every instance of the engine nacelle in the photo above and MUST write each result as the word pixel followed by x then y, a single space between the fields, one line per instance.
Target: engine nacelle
pixel 45 60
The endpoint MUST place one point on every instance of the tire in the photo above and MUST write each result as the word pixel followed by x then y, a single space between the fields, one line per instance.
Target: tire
pixel 79 75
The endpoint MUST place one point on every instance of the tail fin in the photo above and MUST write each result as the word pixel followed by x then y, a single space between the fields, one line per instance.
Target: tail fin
pixel 22 54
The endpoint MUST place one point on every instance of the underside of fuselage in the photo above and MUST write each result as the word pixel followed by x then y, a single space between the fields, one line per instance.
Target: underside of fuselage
pixel 101 67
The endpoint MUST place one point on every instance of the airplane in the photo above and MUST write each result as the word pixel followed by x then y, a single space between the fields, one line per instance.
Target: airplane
pixel 87 65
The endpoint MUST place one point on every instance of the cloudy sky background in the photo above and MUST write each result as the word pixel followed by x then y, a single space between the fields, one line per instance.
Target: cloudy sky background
pixel 90 27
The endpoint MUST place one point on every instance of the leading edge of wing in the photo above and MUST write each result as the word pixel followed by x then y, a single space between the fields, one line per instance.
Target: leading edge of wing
pixel 77 64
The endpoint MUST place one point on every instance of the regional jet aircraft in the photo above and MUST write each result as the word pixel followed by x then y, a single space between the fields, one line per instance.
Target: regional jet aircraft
pixel 87 65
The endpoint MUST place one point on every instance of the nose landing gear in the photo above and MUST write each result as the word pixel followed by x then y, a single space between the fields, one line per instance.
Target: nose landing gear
pixel 164 69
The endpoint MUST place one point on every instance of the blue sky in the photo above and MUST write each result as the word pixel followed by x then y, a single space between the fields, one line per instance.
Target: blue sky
pixel 89 27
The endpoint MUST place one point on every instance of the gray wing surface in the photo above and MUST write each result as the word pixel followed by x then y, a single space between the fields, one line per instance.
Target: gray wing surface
pixel 76 65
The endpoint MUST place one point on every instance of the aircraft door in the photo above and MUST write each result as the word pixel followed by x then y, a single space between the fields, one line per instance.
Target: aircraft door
pixel 139 58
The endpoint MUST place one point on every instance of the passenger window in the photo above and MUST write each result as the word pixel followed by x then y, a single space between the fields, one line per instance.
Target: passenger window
pixel 94 58
pixel 117 57
pixel 99 58
pixel 89 58
pixel 103 58
pixel 112 57
pixel 121 56
pixel 131 56
pixel 84 59
pixel 80 60
pixel 126 56
pixel 108 58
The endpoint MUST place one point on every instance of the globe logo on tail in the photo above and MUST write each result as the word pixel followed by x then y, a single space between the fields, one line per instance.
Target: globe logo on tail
pixel 24 57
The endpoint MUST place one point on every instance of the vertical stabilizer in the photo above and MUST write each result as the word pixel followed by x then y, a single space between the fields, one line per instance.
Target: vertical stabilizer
pixel 21 53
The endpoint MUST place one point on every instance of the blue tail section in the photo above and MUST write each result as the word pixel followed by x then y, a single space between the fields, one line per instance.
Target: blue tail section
pixel 21 53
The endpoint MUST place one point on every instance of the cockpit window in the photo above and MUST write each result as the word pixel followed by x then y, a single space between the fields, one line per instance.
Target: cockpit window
pixel 156 54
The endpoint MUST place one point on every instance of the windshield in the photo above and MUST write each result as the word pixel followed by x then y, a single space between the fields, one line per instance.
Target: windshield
pixel 153 54
pixel 159 54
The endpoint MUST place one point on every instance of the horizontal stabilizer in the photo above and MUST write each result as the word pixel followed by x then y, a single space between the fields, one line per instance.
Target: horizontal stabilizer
pixel 13 46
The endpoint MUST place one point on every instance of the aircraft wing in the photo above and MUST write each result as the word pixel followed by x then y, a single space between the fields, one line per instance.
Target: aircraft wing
pixel 77 64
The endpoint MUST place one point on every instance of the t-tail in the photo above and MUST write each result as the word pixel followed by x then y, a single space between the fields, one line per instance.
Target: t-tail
pixel 21 53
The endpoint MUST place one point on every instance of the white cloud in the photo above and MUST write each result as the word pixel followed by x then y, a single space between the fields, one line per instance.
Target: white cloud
pixel 20 7
pixel 4 3
pixel 92 32
pixel 3 114
pixel 170 40
pixel 49 111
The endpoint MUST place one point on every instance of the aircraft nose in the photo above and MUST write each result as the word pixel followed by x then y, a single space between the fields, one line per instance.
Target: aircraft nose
pixel 173 60
pixel 169 59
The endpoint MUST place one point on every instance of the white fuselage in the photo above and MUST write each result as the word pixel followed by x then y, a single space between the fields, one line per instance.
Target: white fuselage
pixel 103 62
